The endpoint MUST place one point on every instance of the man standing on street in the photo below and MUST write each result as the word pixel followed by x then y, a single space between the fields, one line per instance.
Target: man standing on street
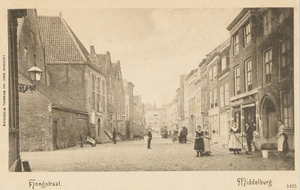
pixel 249 136
pixel 149 138
pixel 82 138
pixel 114 136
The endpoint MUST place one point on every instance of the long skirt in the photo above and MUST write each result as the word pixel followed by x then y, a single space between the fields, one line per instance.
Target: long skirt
pixel 283 144
pixel 199 145
pixel 234 144
pixel 280 143
pixel 206 145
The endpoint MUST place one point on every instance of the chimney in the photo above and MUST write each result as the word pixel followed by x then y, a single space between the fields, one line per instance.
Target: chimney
pixel 92 50
pixel 60 14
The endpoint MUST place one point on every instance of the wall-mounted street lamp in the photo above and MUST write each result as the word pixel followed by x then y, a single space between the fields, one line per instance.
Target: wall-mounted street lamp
pixel 35 76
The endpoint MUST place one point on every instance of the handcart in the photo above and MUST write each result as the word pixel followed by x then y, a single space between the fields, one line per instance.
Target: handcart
pixel 91 141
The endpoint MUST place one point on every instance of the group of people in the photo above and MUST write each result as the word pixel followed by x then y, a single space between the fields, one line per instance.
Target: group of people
pixel 202 141
pixel 250 131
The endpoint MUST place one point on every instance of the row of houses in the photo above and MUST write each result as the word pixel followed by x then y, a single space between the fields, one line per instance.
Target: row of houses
pixel 79 90
pixel 249 78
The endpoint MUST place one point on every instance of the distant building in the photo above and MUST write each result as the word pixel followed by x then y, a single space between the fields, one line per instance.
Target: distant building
pixel 156 119
pixel 129 110
pixel 138 115
pixel 190 102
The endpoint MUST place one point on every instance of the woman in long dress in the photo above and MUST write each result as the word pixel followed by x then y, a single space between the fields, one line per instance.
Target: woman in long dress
pixel 206 140
pixel 283 147
pixel 234 144
pixel 199 144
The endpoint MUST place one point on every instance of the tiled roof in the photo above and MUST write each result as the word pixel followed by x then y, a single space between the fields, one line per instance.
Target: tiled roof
pixel 57 99
pixel 60 42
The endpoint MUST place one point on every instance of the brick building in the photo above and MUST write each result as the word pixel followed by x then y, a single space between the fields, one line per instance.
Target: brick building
pixel 48 119
pixel 262 70
pixel 74 72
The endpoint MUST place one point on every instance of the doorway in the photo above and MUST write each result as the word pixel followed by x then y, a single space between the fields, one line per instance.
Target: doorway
pixel 55 147
pixel 269 119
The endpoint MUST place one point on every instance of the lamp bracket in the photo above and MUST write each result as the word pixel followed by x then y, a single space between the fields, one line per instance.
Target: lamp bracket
pixel 25 87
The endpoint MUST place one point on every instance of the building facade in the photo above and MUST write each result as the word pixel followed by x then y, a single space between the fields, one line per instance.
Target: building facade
pixel 156 119
pixel 48 119
pixel 74 72
pixel 262 70
pixel 128 90
pixel 138 116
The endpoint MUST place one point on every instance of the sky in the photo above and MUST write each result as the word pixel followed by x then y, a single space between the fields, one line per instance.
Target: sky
pixel 154 46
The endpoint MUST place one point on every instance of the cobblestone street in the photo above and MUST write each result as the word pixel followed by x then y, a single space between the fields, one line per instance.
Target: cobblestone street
pixel 164 156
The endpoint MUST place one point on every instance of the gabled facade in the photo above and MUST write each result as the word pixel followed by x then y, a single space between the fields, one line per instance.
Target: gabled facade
pixel 74 72
pixel 48 119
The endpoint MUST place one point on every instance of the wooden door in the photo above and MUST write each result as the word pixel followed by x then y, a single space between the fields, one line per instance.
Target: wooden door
pixel 55 147
pixel 272 124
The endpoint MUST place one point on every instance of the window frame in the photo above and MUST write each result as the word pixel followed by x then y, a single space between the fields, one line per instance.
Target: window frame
pixel 248 74
pixel 268 64
pixel 267 23
pixel 237 78
pixel 289 107
pixel 246 35
pixel 284 70
pixel 215 71
pixel 222 96
pixel 211 102
pixel 93 93
pixel 236 44
pixel 226 92
pixel 215 97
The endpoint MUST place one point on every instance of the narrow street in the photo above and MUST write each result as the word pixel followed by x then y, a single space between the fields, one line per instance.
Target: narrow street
pixel 164 156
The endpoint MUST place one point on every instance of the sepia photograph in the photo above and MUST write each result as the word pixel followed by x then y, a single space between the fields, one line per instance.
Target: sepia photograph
pixel 168 95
